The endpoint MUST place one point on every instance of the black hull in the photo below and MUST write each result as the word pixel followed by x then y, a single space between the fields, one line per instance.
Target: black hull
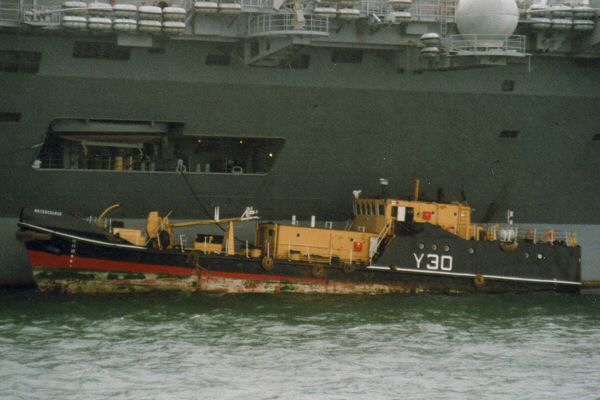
pixel 74 262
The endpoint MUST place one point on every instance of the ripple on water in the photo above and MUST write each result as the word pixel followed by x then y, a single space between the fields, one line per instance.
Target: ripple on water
pixel 299 347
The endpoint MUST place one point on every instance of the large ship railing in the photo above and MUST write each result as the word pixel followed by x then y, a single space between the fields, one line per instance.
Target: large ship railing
pixel 286 24
pixel 10 11
pixel 43 15
pixel 513 45
pixel 374 7
pixel 512 234
pixel 433 10
pixel 256 6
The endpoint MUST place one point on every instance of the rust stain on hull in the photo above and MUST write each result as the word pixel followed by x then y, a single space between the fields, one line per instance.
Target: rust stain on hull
pixel 97 283
pixel 92 282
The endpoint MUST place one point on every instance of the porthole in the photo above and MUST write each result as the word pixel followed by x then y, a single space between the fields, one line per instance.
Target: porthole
pixel 434 247
pixel 540 256
pixel 527 255
pixel 421 246
pixel 471 250
pixel 446 248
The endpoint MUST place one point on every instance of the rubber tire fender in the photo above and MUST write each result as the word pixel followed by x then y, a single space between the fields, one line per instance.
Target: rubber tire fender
pixel 509 247
pixel 479 281
pixel 349 269
pixel 268 263
pixel 318 271
pixel 193 259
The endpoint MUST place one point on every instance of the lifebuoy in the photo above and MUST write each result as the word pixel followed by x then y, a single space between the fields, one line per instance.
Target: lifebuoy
pixel 349 268
pixel 509 246
pixel 268 263
pixel 551 236
pixel 479 281
pixel 318 271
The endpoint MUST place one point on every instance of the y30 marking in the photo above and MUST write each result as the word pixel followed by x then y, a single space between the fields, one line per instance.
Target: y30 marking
pixel 434 261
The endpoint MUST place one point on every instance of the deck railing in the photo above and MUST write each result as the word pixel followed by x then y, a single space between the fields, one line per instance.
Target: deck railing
pixel 286 24
pixel 10 10
pixel 486 44
pixel 510 233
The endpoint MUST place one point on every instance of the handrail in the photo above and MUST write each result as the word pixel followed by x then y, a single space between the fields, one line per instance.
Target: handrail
pixel 482 44
pixel 286 24
pixel 380 237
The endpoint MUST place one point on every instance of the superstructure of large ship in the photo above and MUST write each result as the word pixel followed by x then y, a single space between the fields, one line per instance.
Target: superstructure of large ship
pixel 291 105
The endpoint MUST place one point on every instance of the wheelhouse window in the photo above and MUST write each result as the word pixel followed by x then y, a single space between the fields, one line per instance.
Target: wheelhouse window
pixel 149 146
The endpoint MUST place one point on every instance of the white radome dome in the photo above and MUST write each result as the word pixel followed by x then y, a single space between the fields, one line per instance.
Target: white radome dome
pixel 487 17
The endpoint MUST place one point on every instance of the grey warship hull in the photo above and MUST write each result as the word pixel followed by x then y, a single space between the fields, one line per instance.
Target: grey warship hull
pixel 522 136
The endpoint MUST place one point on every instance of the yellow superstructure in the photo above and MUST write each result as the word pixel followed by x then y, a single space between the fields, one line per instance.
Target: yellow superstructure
pixel 314 244
pixel 372 215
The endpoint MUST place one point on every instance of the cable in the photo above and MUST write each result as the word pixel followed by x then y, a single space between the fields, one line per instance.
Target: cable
pixel 10 153
pixel 202 205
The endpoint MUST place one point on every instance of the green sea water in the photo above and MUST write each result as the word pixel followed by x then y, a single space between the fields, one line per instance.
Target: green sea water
pixel 542 346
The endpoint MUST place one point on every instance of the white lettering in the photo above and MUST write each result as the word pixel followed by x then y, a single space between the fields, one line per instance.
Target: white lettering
pixel 418 259
pixel 446 263
pixel 48 212
pixel 433 261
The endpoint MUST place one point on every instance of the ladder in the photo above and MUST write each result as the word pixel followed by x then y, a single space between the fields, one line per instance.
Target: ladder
pixel 446 10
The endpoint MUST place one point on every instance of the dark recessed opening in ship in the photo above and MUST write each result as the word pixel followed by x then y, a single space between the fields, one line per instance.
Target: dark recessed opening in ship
pixel 346 56
pixel 218 59
pixel 150 146
pixel 509 134
pixel 101 50
pixel 156 51
pixel 254 48
pixel 24 62
pixel 10 117
pixel 508 85
pixel 596 137
pixel 302 61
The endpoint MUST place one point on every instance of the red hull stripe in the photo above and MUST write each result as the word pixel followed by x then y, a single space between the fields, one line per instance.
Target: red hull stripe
pixel 42 260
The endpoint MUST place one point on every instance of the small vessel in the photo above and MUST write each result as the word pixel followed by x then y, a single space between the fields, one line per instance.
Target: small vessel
pixel 389 245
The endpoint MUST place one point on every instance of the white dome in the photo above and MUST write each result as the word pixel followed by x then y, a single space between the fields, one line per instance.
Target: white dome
pixel 493 17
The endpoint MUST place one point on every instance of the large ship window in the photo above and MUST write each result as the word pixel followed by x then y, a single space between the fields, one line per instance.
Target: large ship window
pixel 149 146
